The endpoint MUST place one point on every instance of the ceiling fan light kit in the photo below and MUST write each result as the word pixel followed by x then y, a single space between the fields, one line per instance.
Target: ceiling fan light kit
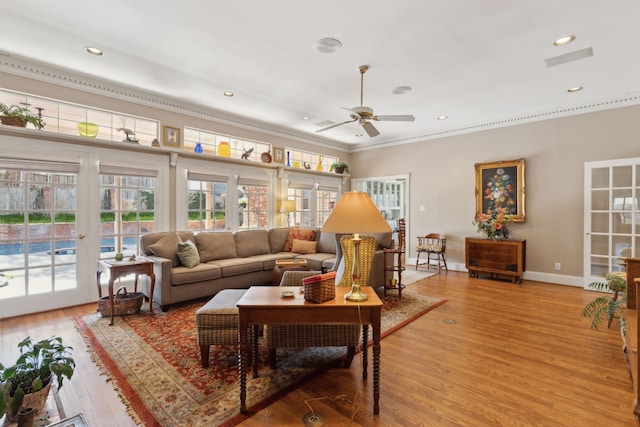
pixel 364 115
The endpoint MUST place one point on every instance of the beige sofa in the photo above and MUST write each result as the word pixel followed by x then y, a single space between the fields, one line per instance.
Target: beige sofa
pixel 235 260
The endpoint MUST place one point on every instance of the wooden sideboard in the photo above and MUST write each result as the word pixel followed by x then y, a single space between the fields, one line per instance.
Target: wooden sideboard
pixel 496 257
pixel 632 327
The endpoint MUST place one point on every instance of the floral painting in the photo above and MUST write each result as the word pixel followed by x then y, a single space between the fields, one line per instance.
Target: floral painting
pixel 500 188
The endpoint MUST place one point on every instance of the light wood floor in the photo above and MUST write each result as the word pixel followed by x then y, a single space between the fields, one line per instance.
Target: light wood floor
pixel 496 354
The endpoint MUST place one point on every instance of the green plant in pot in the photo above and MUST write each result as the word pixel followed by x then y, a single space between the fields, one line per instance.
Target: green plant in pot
pixel 19 116
pixel 339 167
pixel 606 307
pixel 35 369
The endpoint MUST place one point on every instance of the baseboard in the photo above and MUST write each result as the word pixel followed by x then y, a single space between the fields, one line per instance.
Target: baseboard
pixel 556 279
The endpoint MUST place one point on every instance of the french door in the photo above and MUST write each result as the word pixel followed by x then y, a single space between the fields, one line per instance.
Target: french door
pixel 39 242
pixel 611 216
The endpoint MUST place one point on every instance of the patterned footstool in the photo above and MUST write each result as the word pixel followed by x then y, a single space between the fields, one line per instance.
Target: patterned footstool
pixel 217 322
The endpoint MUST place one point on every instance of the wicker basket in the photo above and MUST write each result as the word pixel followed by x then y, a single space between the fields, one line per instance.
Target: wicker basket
pixel 320 288
pixel 13 121
pixel 124 303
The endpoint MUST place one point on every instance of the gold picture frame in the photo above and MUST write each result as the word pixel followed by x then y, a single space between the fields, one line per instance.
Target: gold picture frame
pixel 278 155
pixel 501 184
pixel 171 136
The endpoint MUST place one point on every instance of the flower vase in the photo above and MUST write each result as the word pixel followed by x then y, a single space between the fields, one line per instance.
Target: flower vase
pixel 198 148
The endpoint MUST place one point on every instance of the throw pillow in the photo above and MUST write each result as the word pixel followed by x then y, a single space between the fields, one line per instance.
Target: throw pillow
pixel 304 246
pixel 300 234
pixel 188 253
pixel 166 248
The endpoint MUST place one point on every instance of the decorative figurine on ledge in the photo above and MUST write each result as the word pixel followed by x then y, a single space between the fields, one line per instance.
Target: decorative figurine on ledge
pixel 247 153
pixel 130 135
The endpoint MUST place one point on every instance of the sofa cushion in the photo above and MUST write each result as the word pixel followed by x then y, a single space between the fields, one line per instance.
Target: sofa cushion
pixel 278 238
pixel 298 233
pixel 149 239
pixel 188 254
pixel 237 266
pixel 385 240
pixel 215 245
pixel 327 242
pixel 252 242
pixel 304 246
pixel 199 273
pixel 166 248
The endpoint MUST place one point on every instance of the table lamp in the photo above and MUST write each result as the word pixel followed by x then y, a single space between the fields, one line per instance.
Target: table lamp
pixel 287 206
pixel 356 213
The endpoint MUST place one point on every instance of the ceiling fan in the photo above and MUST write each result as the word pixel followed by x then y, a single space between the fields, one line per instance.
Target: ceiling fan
pixel 364 115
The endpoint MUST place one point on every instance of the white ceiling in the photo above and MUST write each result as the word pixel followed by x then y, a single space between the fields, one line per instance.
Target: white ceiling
pixel 481 63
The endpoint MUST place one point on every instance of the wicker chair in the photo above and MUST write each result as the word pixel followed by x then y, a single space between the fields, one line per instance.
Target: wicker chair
pixel 305 335
pixel 368 246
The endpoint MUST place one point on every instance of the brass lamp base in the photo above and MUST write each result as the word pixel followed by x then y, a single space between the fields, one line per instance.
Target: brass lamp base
pixel 356 294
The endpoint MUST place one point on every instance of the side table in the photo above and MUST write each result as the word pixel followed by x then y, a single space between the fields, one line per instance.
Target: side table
pixel 118 269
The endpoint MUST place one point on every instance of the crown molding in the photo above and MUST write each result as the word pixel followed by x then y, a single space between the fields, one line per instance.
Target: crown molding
pixel 47 74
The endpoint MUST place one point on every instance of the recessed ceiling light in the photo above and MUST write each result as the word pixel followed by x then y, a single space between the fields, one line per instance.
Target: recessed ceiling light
pixel 328 45
pixel 94 51
pixel 401 90
pixel 305 118
pixel 564 40
pixel 227 93
pixel 575 89
pixel 358 135
pixel 442 117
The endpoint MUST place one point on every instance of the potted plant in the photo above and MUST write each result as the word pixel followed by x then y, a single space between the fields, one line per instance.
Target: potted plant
pixel 18 116
pixel 607 306
pixel 339 167
pixel 26 384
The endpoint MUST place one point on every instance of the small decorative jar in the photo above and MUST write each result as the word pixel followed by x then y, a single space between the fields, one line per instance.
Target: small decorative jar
pixel 224 149
pixel 198 148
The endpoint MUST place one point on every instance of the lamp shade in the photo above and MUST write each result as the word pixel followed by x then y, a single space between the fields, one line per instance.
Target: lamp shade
pixel 287 206
pixel 356 213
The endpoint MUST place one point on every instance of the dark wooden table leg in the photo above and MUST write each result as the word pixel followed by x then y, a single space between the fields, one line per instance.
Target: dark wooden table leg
pixel 111 279
pixel 365 351
pixel 151 287
pixel 376 361
pixel 242 362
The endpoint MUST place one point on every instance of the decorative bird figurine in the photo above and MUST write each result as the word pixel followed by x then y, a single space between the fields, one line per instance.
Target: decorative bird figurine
pixel 247 153
pixel 131 136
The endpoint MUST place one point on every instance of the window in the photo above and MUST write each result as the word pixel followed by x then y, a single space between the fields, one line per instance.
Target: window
pixel 326 199
pixel 63 117
pixel 302 195
pixel 127 208
pixel 233 147
pixel 253 204
pixel 38 208
pixel 207 208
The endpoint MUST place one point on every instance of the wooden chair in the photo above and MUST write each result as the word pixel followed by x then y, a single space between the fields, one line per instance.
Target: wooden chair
pixel 433 244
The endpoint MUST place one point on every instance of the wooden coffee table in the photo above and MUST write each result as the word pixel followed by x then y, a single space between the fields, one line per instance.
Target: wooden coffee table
pixel 264 305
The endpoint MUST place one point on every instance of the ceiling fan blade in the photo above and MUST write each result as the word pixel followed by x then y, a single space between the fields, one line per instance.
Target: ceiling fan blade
pixel 370 129
pixel 397 118
pixel 335 125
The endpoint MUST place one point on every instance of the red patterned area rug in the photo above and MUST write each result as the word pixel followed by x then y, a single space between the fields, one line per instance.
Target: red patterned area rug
pixel 154 362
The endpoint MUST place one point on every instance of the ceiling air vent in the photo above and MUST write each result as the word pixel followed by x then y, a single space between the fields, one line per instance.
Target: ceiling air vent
pixel 569 57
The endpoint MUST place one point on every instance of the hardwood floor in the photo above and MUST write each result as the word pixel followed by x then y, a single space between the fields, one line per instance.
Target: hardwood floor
pixel 496 354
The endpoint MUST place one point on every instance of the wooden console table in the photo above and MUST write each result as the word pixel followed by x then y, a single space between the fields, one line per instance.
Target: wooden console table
pixel 496 257
pixel 124 267
pixel 263 305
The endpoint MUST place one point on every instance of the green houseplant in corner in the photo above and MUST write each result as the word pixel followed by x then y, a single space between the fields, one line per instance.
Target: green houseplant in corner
pixel 606 307
pixel 339 167
pixel 28 381
pixel 18 116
